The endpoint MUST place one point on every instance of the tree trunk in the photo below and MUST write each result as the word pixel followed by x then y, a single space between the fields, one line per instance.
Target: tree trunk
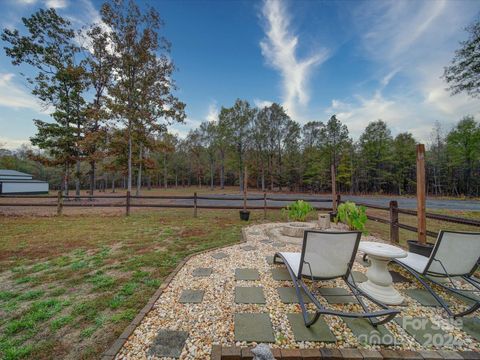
pixel 212 165
pixel 165 173
pixel 222 169
pixel 113 183
pixel 77 178
pixel 129 181
pixel 139 177
pixel 92 176
pixel 263 177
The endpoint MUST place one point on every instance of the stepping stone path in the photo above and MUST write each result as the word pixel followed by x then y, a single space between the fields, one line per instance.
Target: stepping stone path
pixel 270 260
pixel 465 299
pixel 280 274
pixel 249 295
pixel 202 272
pixel 337 296
pixel 359 277
pixel 422 296
pixel 253 327
pixel 248 248
pixel 168 343
pixel 266 241
pixel 423 330
pixel 247 274
pixel 367 334
pixel 278 244
pixel 317 332
pixel 288 295
pixel 472 327
pixel 191 296
pixel 398 278
pixel 220 255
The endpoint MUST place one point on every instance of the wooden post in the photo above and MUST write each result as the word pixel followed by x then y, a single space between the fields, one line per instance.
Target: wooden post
pixel 264 205
pixel 334 189
pixel 127 204
pixel 60 203
pixel 394 221
pixel 195 204
pixel 421 196
pixel 245 182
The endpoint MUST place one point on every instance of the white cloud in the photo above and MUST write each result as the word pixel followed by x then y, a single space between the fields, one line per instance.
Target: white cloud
pixel 212 114
pixel 13 96
pixel 279 49
pixel 57 4
pixel 413 40
pixel 12 144
pixel 26 2
pixel 262 103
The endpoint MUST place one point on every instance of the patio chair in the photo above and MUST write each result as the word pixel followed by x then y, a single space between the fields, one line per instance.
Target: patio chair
pixel 455 254
pixel 326 256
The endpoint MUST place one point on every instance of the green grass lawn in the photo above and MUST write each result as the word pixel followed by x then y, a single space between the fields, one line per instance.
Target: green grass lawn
pixel 70 285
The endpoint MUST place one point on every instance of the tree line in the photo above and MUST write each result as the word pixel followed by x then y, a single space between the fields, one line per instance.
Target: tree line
pixel 110 89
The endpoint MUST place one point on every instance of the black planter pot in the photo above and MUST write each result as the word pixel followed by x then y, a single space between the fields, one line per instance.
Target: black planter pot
pixel 244 215
pixel 333 215
pixel 421 249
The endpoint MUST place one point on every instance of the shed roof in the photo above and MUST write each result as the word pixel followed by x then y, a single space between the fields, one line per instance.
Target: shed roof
pixel 5 172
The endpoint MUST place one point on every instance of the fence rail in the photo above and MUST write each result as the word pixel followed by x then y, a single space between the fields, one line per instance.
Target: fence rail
pixel 63 201
pixel 395 225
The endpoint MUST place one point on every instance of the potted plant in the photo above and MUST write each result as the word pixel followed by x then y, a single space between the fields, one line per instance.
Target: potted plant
pixel 352 215
pixel 245 214
pixel 298 211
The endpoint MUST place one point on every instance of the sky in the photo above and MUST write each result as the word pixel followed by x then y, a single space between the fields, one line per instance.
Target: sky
pixel 360 60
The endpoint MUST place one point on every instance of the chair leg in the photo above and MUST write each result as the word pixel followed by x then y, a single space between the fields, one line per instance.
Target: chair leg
pixel 428 288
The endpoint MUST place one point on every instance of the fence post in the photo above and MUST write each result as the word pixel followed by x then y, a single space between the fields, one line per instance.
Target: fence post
pixel 127 204
pixel 339 199
pixel 394 236
pixel 195 204
pixel 264 205
pixel 60 203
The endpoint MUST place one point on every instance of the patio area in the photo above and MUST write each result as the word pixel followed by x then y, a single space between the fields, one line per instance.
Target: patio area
pixel 236 296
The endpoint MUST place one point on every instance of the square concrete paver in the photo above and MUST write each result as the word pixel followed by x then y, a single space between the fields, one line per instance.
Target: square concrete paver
pixel 465 299
pixel 247 274
pixel 422 296
pixel 168 343
pixel 191 296
pixel 248 248
pixel 202 272
pixel 253 327
pixel 266 241
pixel 337 296
pixel 317 332
pixel 367 334
pixel 398 278
pixel 270 260
pixel 219 255
pixel 359 277
pixel 249 295
pixel 423 330
pixel 288 295
pixel 472 327
pixel 278 244
pixel 281 274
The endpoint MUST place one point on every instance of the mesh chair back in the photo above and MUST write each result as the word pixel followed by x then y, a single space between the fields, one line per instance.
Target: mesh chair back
pixel 455 253
pixel 328 255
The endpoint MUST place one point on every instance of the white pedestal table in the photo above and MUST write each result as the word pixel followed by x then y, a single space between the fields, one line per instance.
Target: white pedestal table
pixel 379 284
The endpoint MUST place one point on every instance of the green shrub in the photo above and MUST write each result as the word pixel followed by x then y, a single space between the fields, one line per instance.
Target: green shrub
pixel 354 216
pixel 298 211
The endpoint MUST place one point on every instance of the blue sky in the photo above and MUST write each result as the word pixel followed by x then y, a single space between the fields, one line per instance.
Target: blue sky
pixel 361 60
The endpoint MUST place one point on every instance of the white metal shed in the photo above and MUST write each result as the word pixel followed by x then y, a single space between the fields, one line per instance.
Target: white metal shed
pixel 16 182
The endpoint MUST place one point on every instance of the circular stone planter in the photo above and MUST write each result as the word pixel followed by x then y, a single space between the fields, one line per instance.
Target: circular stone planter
pixel 296 229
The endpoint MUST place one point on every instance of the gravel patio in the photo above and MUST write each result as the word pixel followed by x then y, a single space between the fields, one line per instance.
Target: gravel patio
pixel 235 296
